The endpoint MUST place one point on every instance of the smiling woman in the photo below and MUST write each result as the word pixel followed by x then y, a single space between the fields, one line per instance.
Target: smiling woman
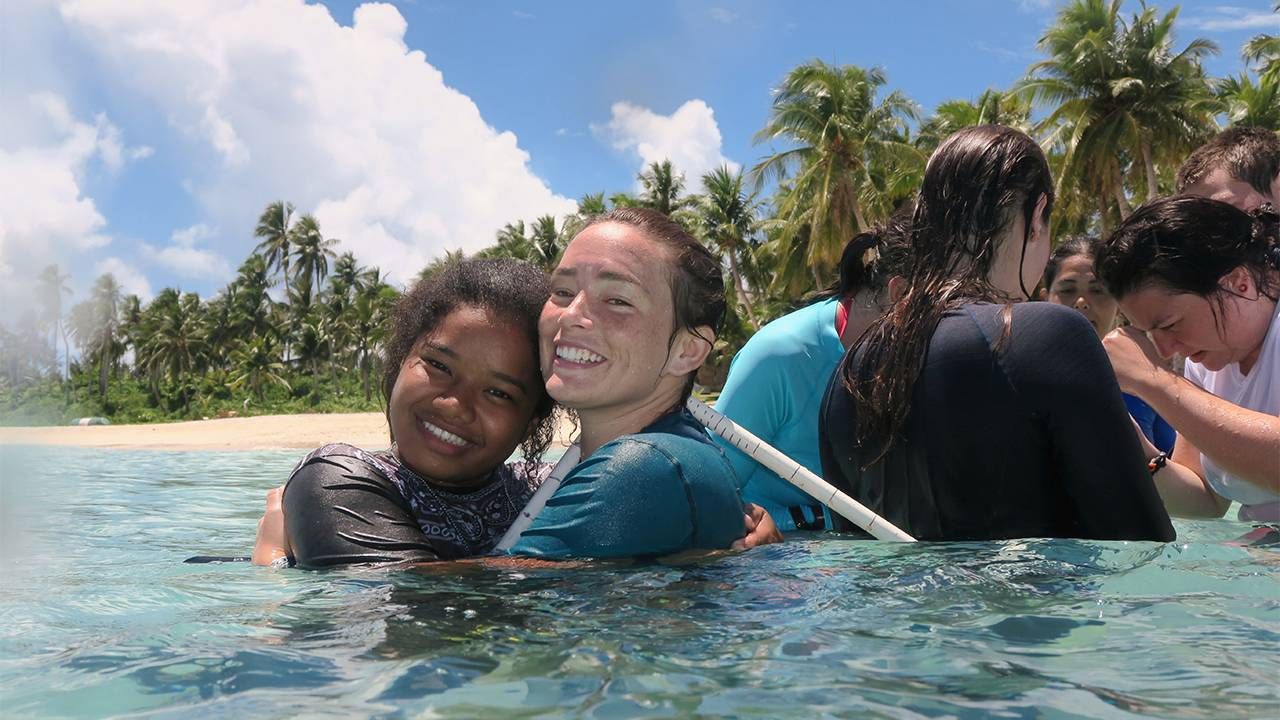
pixel 634 307
pixel 1200 278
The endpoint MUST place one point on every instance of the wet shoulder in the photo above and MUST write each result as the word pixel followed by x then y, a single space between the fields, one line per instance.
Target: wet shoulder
pixel 675 446
pixel 342 450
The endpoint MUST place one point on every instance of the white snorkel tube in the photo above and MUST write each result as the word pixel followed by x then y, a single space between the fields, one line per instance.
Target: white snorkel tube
pixel 757 449
pixel 795 473
pixel 539 499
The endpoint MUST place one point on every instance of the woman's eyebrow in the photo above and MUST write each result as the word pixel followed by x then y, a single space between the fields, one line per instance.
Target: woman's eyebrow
pixel 612 275
pixel 511 381
pixel 440 348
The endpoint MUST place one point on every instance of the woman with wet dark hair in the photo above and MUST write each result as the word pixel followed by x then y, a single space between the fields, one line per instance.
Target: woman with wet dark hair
pixel 1201 278
pixel 777 379
pixel 964 414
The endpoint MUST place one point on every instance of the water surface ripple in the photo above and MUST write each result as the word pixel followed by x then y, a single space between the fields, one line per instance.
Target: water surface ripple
pixel 99 617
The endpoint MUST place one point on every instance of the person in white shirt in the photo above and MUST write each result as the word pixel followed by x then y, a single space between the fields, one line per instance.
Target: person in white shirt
pixel 1201 278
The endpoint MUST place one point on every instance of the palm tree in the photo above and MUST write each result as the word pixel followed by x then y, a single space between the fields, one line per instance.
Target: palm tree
pixel 992 107
pixel 175 345
pixel 53 285
pixel 662 187
pixel 346 275
pixel 276 237
pixel 1119 95
pixel 94 323
pixel 434 267
pixel 546 243
pixel 625 200
pixel 313 251
pixel 131 322
pixel 1263 52
pixel 368 328
pixel 251 306
pixel 313 343
pixel 591 204
pixel 512 242
pixel 840 133
pixel 1249 104
pixel 106 298
pixel 728 219
pixel 1175 104
pixel 257 366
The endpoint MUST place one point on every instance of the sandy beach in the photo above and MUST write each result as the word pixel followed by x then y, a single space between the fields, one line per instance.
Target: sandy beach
pixel 265 432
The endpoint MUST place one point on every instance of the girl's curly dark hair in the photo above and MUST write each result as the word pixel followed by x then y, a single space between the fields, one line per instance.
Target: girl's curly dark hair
pixel 512 289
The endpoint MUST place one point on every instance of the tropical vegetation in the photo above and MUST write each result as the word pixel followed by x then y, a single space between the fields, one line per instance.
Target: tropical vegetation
pixel 1117 100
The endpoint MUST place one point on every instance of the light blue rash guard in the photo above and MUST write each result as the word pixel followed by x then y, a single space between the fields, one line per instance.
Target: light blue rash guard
pixel 662 490
pixel 775 388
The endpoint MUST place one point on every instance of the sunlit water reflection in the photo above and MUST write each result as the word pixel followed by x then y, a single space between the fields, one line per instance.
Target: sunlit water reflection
pixel 99 616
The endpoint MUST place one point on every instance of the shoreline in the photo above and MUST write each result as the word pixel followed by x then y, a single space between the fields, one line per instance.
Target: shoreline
pixel 260 432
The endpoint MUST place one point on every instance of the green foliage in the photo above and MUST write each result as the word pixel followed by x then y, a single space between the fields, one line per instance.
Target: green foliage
pixel 1120 104
pixel 181 357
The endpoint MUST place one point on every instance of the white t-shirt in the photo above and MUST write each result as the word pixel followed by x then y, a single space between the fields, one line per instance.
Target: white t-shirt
pixel 1259 390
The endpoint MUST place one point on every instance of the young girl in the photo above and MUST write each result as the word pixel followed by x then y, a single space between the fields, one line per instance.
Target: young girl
pixel 1070 280
pixel 463 391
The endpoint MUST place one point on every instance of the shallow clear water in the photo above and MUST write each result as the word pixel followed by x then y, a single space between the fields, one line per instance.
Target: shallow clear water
pixel 100 617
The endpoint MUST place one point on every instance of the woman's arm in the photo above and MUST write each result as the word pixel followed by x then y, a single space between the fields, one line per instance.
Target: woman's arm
pixel 1182 485
pixel 1242 442
pixel 272 543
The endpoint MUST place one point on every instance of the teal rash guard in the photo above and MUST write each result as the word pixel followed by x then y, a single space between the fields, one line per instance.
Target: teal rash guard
pixel 775 389
pixel 662 490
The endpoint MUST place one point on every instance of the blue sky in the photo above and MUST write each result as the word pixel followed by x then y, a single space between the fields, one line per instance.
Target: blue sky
pixel 143 137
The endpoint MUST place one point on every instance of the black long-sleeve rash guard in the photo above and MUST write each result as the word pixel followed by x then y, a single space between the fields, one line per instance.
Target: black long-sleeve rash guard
pixel 1025 436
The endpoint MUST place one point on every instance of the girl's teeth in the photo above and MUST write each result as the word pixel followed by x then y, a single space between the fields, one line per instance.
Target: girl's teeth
pixel 578 355
pixel 444 435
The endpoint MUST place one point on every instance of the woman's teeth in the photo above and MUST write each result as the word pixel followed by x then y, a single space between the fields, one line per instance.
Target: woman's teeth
pixel 578 355
pixel 444 435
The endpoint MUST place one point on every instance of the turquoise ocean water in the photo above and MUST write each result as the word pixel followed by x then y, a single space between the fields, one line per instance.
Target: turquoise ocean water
pixel 100 617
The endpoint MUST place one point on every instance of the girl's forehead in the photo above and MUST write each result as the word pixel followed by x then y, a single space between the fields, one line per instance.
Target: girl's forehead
pixel 467 318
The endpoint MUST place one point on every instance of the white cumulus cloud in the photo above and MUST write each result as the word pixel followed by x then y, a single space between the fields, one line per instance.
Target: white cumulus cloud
pixel 1229 17
pixel 183 257
pixel 688 137
pixel 131 280
pixel 279 101
pixel 45 215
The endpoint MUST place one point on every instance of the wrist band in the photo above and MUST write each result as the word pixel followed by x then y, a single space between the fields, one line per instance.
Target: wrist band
pixel 1157 462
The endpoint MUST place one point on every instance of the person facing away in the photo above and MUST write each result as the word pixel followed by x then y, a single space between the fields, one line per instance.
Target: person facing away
pixel 777 380
pixel 634 308
pixel 1239 166
pixel 1201 278
pixel 966 415
pixel 1070 280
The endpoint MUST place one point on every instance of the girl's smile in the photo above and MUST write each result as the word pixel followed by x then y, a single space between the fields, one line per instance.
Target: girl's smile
pixel 464 397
